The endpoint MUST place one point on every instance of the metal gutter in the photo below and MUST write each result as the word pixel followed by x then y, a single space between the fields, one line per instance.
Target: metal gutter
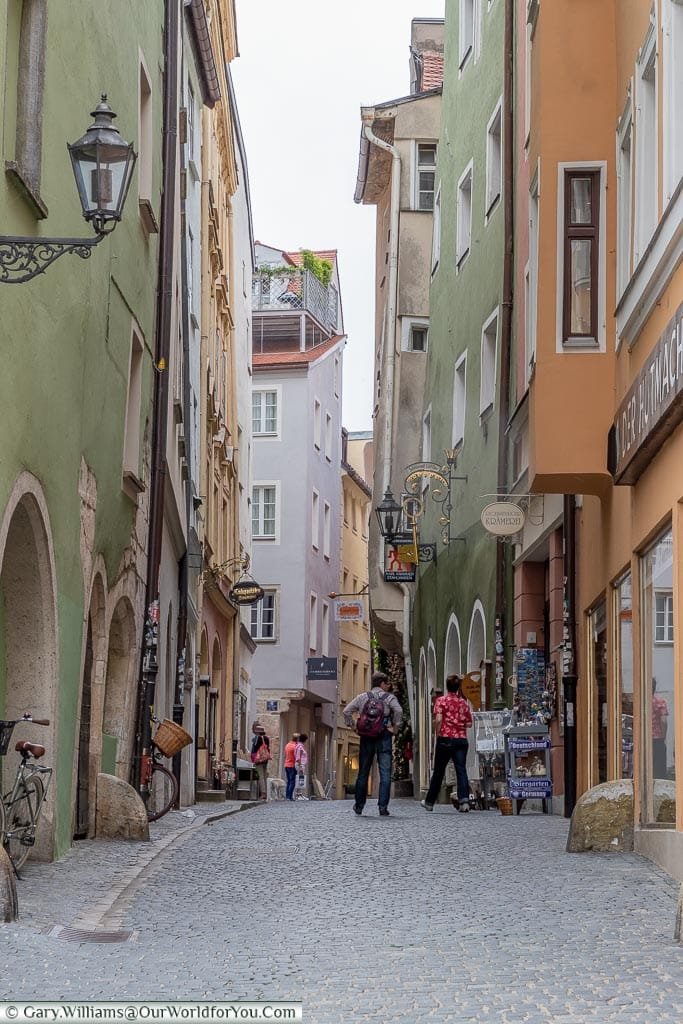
pixel 199 30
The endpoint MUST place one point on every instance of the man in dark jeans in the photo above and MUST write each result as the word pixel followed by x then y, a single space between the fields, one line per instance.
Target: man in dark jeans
pixel 375 746
pixel 452 718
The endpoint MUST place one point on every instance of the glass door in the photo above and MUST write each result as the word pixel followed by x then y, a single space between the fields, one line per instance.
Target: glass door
pixel 623 619
pixel 597 620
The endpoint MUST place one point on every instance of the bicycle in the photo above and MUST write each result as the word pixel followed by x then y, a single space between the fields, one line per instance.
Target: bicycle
pixel 20 806
pixel 158 782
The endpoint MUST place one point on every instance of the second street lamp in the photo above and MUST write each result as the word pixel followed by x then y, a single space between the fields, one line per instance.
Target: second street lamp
pixel 388 514
pixel 103 165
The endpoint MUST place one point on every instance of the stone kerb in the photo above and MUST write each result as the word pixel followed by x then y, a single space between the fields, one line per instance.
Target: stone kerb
pixel 121 813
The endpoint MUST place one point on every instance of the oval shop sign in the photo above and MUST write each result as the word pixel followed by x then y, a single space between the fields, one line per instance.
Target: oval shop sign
pixel 503 518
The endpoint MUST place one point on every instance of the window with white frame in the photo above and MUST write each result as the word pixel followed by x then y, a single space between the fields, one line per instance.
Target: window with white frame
pixel 325 629
pixel 145 135
pixel 263 617
pixel 427 436
pixel 336 376
pixel 354 515
pixel 531 282
pixel 315 520
pixel 646 145
pixel 624 177
pixel 487 383
pixel 317 423
pixel 264 409
pixel 414 334
pixel 664 617
pixel 494 159
pixel 581 256
pixel 672 67
pixel 313 623
pixel 191 121
pixel 436 231
pixel 333 300
pixel 131 437
pixel 459 399
pixel 466 31
pixel 328 437
pixel 327 530
pixel 425 175
pixel 264 511
pixel 464 216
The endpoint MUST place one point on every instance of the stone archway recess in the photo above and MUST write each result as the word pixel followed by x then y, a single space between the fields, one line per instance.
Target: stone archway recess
pixel 119 707
pixel 424 722
pixel 476 646
pixel 453 658
pixel 28 634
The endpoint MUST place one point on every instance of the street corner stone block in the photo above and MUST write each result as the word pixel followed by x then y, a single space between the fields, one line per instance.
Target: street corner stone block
pixel 678 927
pixel 9 906
pixel 276 788
pixel 121 813
pixel 603 819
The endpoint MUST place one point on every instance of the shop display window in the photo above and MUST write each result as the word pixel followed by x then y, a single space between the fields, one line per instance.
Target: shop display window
pixel 597 618
pixel 657 691
pixel 623 617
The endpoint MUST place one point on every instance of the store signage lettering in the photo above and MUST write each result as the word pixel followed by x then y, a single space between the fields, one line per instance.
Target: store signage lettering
pixel 348 611
pixel 424 469
pixel 651 409
pixel 503 518
pixel 246 592
pixel 321 668
pixel 395 569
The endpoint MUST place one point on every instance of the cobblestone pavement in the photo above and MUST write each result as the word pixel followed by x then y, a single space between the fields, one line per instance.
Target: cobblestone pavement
pixel 436 917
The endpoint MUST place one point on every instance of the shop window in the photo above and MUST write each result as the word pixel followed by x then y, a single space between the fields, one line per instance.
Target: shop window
pixel 581 256
pixel 657 652
pixel 623 617
pixel 598 723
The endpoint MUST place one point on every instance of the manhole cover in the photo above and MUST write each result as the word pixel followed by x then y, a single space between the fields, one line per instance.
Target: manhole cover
pixel 59 931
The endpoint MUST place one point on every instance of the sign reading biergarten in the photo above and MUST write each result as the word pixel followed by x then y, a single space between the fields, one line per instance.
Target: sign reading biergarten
pixel 652 407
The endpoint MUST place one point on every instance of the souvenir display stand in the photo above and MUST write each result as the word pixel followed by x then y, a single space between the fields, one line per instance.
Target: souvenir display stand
pixel 527 764
pixel 245 782
pixel 489 746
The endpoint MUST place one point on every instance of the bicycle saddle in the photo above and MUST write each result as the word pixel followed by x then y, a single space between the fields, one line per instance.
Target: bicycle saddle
pixel 34 749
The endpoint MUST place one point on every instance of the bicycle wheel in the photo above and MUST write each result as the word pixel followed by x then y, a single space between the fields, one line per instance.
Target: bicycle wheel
pixel 21 818
pixel 163 792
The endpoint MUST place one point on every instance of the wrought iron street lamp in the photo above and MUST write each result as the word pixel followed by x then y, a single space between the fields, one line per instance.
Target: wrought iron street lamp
pixel 103 165
pixel 388 514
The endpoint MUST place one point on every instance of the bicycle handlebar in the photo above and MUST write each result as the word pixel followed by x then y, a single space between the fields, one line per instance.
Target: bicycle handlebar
pixel 28 717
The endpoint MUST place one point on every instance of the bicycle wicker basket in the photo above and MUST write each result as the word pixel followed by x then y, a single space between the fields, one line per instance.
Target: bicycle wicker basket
pixel 171 738
pixel 6 729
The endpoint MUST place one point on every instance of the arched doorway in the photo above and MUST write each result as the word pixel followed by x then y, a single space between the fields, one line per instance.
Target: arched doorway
pixel 201 706
pixel 453 657
pixel 424 726
pixel 28 636
pixel 476 646
pixel 119 704
pixel 88 753
pixel 213 709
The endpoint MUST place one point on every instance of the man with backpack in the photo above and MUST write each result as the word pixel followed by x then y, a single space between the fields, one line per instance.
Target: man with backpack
pixel 379 716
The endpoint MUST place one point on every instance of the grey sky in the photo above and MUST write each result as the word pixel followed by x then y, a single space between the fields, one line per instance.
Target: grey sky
pixel 305 68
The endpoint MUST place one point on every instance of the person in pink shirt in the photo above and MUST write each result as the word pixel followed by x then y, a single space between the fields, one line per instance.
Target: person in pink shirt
pixel 301 762
pixel 452 718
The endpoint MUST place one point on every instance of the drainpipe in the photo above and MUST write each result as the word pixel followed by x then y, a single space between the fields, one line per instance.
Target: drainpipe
pixel 505 333
pixel 390 335
pixel 161 384
pixel 569 662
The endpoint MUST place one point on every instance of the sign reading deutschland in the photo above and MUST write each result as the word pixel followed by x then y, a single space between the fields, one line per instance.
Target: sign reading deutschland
pixel 246 592
pixel 503 518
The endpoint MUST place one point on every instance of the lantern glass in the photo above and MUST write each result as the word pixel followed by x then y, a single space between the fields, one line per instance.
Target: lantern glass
pixel 388 515
pixel 103 167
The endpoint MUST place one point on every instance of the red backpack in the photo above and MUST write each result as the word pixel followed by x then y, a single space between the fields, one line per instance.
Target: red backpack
pixel 371 719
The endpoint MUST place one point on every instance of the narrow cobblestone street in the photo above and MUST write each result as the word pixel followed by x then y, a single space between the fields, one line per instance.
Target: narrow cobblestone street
pixel 439 916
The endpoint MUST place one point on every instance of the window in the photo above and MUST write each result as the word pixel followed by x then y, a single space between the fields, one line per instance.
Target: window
pixel 464 217
pixel 581 257
pixel 624 140
pixel 427 436
pixel 327 526
pixel 414 334
pixel 531 282
pixel 672 134
pixel 487 383
pixel 325 629
pixel 354 515
pixel 336 376
pixel 425 176
pixel 24 81
pixel 190 272
pixel 264 409
pixel 459 395
pixel 263 617
pixel 623 613
pixel 466 34
pixel 436 231
pixel 191 119
pixel 145 135
pixel 131 442
pixel 328 437
pixel 264 511
pixel 664 617
pixel 313 623
pixel 494 166
pixel 527 84
pixel 317 423
pixel 646 146
pixel 315 520
pixel 345 581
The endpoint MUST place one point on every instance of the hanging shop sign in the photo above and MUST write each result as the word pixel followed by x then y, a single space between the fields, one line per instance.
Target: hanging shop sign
pixel 348 610
pixel 419 470
pixel 321 668
pixel 246 592
pixel 395 569
pixel 652 408
pixel 503 518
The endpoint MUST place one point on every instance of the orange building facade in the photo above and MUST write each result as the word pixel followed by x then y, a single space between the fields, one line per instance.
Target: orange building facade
pixel 600 383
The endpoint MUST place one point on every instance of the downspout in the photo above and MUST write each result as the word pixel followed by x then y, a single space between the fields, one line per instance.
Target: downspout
pixel 161 385
pixel 390 335
pixel 505 337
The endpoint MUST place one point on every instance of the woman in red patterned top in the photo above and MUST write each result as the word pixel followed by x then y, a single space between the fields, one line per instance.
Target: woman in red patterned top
pixel 452 718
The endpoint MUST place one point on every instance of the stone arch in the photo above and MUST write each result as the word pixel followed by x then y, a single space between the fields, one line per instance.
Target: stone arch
pixel 453 649
pixel 88 736
pixel 214 697
pixel 119 689
pixel 476 645
pixel 28 631
pixel 201 696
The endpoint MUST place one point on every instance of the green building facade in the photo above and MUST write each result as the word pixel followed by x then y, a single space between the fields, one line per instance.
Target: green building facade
pixel 454 612
pixel 75 396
